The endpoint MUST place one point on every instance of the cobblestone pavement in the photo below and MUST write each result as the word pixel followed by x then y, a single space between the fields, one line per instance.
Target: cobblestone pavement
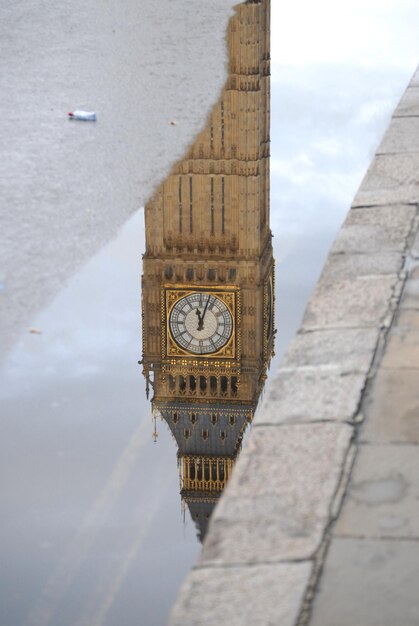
pixel 319 523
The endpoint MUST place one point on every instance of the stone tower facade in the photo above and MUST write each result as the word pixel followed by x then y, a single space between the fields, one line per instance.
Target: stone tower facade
pixel 207 286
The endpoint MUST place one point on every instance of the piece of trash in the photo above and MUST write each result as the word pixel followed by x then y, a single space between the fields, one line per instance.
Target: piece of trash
pixel 35 331
pixel 84 116
pixel 173 123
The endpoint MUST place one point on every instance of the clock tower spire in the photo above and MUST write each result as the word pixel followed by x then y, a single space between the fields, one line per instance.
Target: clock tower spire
pixel 207 286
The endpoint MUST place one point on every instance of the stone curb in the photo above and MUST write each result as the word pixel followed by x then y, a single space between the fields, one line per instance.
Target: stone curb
pixel 272 525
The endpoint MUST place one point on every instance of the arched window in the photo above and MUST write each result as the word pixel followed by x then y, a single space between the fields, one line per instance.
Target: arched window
pixel 221 472
pixel 192 473
pixel 224 384
pixel 206 471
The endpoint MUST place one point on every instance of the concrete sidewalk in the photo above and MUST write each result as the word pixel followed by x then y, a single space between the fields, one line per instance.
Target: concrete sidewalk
pixel 281 548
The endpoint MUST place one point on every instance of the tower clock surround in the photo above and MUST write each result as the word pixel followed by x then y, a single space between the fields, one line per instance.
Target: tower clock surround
pixel 201 321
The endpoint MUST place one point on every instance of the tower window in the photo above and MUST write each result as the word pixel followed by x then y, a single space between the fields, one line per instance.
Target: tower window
pixel 223 435
pixel 205 435
pixel 213 419
pixel 211 274
pixel 192 473
pixel 193 418
pixel 207 471
pixel 202 383
pixel 190 204
pixel 180 204
pixel 222 205
pixel 175 418
pixel 232 420
pixel 223 382
pixel 222 124
pixel 168 272
pixel 186 433
pixel 212 206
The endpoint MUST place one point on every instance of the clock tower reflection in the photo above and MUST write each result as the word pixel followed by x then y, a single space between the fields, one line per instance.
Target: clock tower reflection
pixel 208 273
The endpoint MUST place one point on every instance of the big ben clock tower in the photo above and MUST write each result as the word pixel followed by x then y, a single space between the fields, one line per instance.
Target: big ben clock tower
pixel 207 285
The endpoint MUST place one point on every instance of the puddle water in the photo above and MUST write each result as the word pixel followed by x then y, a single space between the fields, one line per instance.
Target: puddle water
pixel 86 492
pixel 94 532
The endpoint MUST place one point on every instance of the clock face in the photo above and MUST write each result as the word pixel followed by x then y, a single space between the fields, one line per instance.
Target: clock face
pixel 200 323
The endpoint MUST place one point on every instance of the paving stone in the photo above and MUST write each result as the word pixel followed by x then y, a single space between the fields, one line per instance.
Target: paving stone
pixel 409 103
pixel 415 79
pixel 392 408
pixel 407 319
pixel 410 296
pixel 349 303
pixel 414 250
pixel 402 350
pixel 368 583
pixel 382 499
pixel 391 178
pixel 320 393
pixel 402 136
pixel 348 349
pixel 378 229
pixel 277 502
pixel 256 595
pixel 354 265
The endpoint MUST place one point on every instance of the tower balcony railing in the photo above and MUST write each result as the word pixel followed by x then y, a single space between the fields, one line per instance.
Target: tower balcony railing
pixel 200 473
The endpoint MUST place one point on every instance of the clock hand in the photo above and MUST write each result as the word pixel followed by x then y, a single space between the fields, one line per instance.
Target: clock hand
pixel 205 310
pixel 200 319
pixel 206 306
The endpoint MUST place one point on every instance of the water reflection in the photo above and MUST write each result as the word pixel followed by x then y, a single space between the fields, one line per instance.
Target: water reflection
pixel 208 275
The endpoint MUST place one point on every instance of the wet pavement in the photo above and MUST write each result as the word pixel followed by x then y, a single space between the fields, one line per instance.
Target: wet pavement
pixel 86 494
pixel 93 530
pixel 68 186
